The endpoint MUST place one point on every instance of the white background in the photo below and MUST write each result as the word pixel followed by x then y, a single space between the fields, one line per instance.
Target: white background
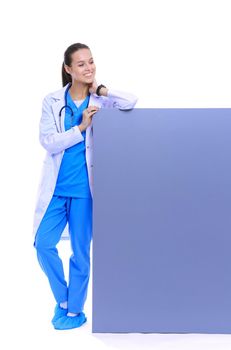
pixel 170 53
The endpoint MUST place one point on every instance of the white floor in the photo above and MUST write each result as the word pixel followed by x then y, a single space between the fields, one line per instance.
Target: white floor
pixel 28 308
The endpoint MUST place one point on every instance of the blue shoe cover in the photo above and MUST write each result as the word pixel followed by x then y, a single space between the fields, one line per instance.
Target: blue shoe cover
pixel 59 312
pixel 67 322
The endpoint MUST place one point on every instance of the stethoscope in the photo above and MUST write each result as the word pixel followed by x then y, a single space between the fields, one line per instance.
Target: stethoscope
pixel 65 102
pixel 67 106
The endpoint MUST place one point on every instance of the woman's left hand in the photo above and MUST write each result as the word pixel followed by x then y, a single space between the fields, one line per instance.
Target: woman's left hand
pixel 92 87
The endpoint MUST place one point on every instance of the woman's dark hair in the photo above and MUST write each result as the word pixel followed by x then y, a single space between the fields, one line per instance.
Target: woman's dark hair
pixel 66 78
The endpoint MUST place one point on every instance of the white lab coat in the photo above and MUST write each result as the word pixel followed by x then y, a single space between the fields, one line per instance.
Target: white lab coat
pixel 55 140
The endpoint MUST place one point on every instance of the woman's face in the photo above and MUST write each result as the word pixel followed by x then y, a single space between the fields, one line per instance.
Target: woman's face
pixel 82 67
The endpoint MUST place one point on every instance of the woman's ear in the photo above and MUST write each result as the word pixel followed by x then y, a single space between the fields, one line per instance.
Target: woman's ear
pixel 67 69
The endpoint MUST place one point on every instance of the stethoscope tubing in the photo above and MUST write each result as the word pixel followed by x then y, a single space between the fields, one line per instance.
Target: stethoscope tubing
pixel 65 106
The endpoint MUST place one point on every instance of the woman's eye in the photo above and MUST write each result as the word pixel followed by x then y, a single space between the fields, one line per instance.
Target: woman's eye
pixel 80 65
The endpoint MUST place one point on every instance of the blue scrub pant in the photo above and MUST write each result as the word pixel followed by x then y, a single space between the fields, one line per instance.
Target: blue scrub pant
pixel 78 213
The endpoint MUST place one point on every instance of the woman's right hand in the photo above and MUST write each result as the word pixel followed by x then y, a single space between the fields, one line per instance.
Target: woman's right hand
pixel 87 117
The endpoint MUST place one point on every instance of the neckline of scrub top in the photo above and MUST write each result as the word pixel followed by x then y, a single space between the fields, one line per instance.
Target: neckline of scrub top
pixel 79 100
pixel 70 120
pixel 82 106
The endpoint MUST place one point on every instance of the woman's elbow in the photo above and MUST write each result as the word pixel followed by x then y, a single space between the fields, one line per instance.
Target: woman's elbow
pixel 130 104
pixel 134 101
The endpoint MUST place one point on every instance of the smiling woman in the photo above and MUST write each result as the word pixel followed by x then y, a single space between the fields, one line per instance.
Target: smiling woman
pixel 65 194
pixel 79 65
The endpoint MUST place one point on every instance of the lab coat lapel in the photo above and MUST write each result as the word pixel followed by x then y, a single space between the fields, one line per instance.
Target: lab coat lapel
pixel 56 107
pixel 94 101
pixel 58 96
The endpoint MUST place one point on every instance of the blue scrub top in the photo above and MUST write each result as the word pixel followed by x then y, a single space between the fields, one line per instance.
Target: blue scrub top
pixel 73 179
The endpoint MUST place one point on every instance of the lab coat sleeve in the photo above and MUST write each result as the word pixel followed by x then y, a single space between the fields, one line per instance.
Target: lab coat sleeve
pixel 119 99
pixel 49 137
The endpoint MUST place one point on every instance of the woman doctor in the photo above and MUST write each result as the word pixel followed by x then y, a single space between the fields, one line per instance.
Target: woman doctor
pixel 64 200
